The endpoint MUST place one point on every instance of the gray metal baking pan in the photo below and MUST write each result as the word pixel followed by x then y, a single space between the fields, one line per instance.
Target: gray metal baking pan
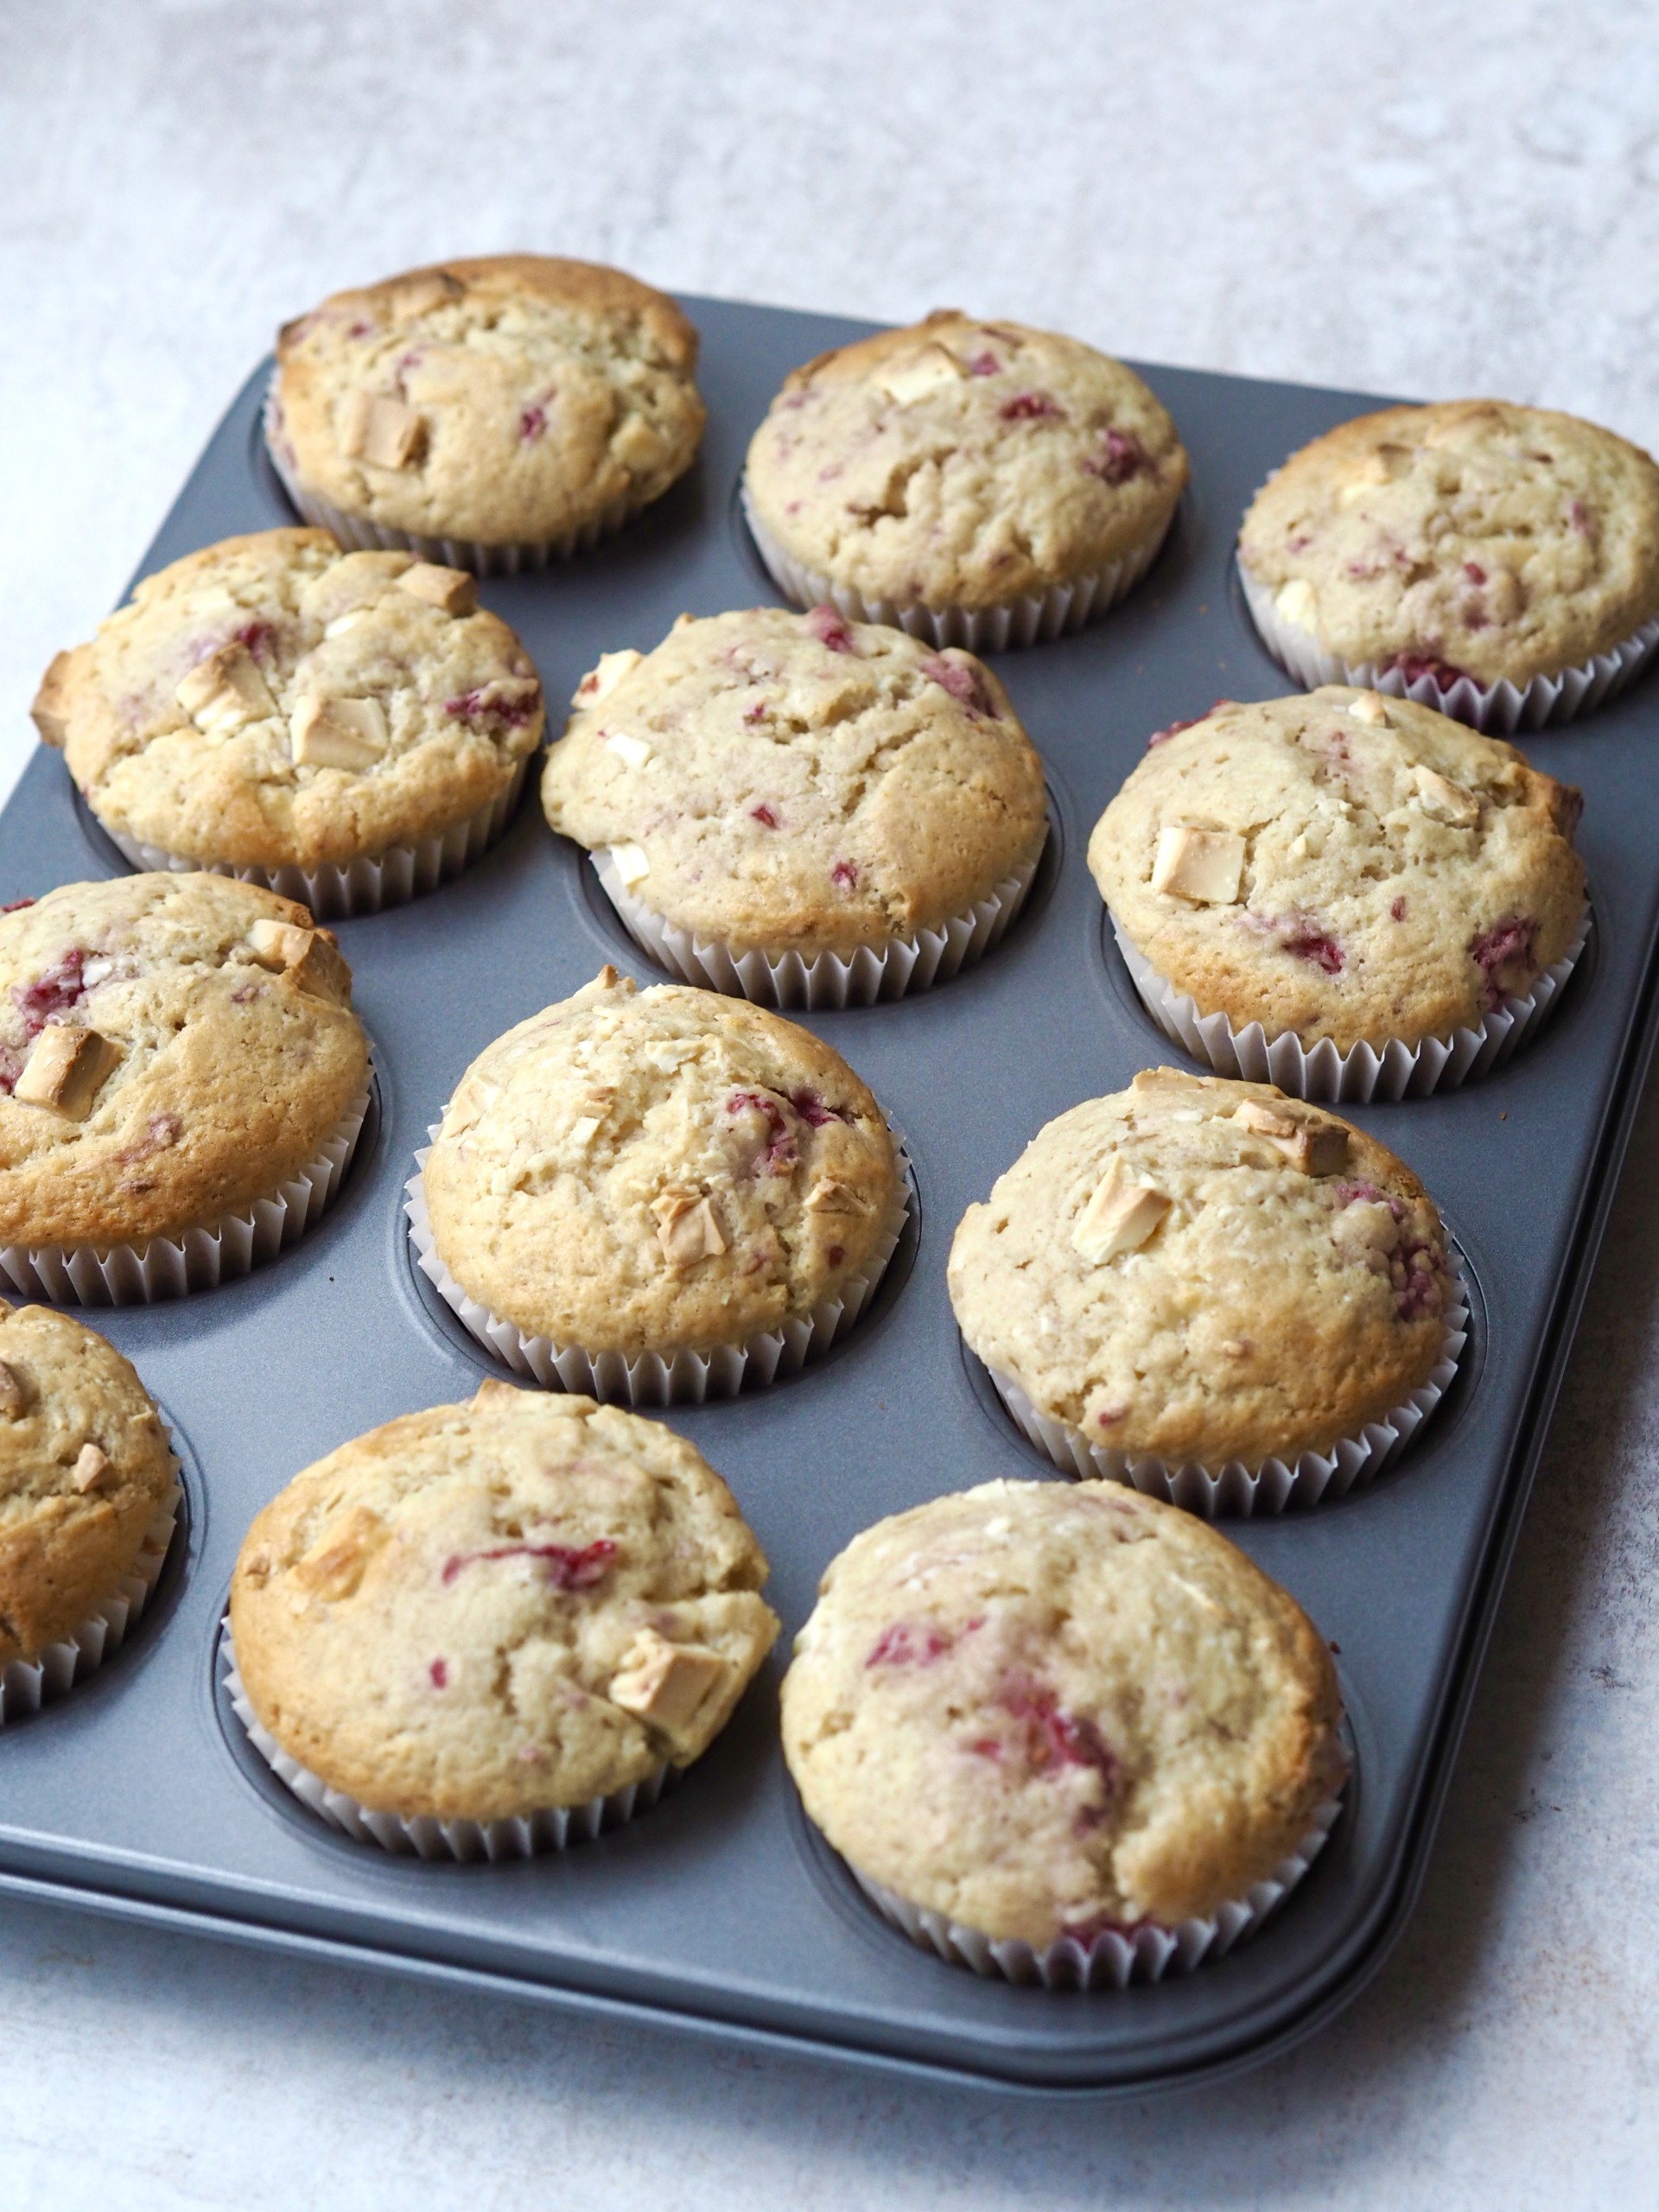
pixel 719 1911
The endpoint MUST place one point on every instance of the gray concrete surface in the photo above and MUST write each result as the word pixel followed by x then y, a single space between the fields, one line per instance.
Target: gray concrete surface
pixel 1427 199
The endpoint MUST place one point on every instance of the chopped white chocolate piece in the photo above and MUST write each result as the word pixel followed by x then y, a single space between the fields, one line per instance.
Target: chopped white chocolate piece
pixel 92 1466
pixel 604 677
pixel 1119 1216
pixel 1296 603
pixel 583 1132
pixel 337 732
pixel 1370 708
pixel 493 1391
pixel 225 692
pixel 380 430
pixel 452 589
pixel 12 1397
pixel 666 1684
pixel 1312 1142
pixel 352 619
pixel 633 750
pixel 931 369
pixel 49 713
pixel 65 1070
pixel 828 1195
pixel 426 290
pixel 686 1228
pixel 1204 865
pixel 631 863
pixel 311 957
pixel 1443 801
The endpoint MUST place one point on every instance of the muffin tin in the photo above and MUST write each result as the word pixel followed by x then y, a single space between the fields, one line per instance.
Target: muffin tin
pixel 721 1911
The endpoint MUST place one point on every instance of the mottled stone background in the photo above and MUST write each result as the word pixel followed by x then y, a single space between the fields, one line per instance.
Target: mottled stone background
pixel 1424 199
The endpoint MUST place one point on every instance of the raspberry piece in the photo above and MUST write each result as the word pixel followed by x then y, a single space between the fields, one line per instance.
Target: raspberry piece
pixel 1444 672
pixel 1125 457
pixel 845 873
pixel 55 992
pixel 1310 943
pixel 255 637
pixel 440 1675
pixel 812 1109
pixel 569 1566
pixel 532 421
pixel 965 685
pixel 1397 911
pixel 828 629
pixel 780 1155
pixel 1475 573
pixel 903 1646
pixel 984 364
pixel 15 906
pixel 1508 944
pixel 514 702
pixel 1174 729
pixel 765 815
pixel 1031 407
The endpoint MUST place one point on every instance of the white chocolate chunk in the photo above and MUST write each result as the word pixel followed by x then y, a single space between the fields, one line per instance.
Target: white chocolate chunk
pixel 1296 603
pixel 65 1070
pixel 583 1132
pixel 352 619
pixel 493 1391
pixel 603 678
pixel 50 711
pixel 379 431
pixel 92 1467
pixel 1205 865
pixel 337 732
pixel 311 957
pixel 1443 801
pixel 452 589
pixel 631 863
pixel 1369 707
pixel 667 1684
pixel 686 1228
pixel 931 369
pixel 225 692
pixel 1119 1216
pixel 632 750
pixel 12 1396
pixel 1311 1142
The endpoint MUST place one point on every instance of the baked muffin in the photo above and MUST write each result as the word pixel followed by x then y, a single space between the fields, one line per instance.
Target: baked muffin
pixel 1452 548
pixel 273 705
pixel 1051 1711
pixel 497 1610
pixel 980 483
pixel 175 1051
pixel 795 785
pixel 1204 1272
pixel 660 1174
pixel 494 412
pixel 88 1488
pixel 1339 866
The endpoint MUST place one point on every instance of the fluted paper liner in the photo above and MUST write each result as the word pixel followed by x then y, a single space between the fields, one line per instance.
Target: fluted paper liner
pixel 1236 1488
pixel 198 1259
pixel 648 1378
pixel 1323 1073
pixel 1116 1957
pixel 368 537
pixel 422 1835
pixel 27 1684
pixel 828 980
pixel 1501 708
pixel 337 892
pixel 1023 621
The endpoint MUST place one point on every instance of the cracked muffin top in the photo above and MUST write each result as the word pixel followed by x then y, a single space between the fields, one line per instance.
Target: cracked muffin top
pixel 1051 1709
pixel 85 1469
pixel 1467 538
pixel 1206 1271
pixel 172 1047
pixel 487 1609
pixel 658 1171
pixel 274 700
pixel 509 400
pixel 960 463
pixel 1342 865
pixel 798 782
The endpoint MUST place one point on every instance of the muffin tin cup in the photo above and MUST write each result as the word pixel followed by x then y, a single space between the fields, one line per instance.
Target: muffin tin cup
pixel 1116 1957
pixel 1023 621
pixel 650 1378
pixel 27 1684
pixel 337 892
pixel 786 979
pixel 1500 709
pixel 368 537
pixel 421 1835
pixel 1321 1072
pixel 1237 1489
pixel 198 1259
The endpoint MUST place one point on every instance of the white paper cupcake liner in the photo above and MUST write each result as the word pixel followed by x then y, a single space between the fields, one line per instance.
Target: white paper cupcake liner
pixel 1113 1959
pixel 423 1836
pixel 1324 1074
pixel 828 980
pixel 27 1684
pixel 1500 709
pixel 1236 1488
pixel 1023 621
pixel 363 885
pixel 367 537
pixel 648 1378
pixel 199 1259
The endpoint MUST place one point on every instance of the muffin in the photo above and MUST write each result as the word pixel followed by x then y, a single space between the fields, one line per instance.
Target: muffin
pixel 1501 563
pixel 979 484
pixel 1208 1275
pixel 181 1082
pixel 494 413
pixel 657 1193
pixel 801 809
pixel 88 1489
pixel 1041 1717
pixel 506 1619
pixel 348 728
pixel 1347 872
